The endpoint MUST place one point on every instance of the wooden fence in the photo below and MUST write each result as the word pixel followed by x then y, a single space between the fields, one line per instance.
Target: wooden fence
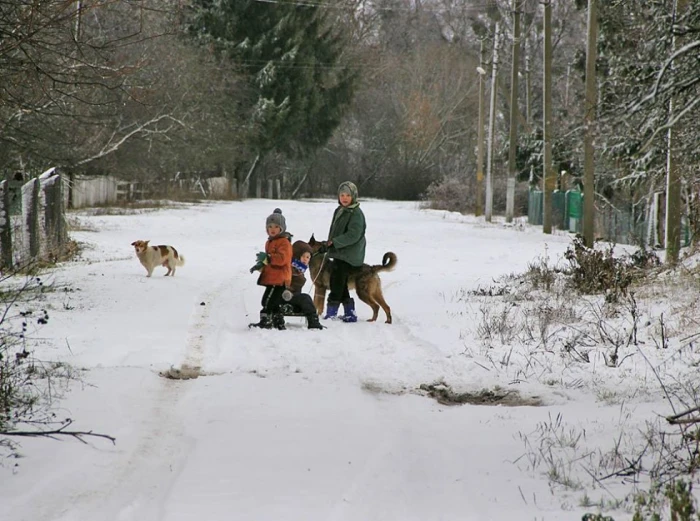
pixel 32 213
pixel 32 220
pixel 86 191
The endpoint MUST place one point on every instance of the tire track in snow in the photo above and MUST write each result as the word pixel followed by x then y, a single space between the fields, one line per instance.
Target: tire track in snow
pixel 161 448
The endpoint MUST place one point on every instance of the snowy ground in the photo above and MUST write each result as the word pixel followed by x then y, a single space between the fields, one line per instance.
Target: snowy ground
pixel 312 425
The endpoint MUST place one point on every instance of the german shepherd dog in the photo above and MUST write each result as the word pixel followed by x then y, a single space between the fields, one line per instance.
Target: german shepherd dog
pixel 364 280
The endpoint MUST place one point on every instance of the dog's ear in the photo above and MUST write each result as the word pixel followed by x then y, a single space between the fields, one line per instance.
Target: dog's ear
pixel 312 240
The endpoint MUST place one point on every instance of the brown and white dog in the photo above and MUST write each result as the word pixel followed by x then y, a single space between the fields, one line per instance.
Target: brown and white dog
pixel 153 256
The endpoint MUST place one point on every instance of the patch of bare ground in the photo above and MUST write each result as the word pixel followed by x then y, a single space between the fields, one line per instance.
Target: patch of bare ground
pixel 445 395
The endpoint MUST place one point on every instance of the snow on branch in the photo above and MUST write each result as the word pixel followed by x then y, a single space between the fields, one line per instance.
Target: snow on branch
pixel 142 129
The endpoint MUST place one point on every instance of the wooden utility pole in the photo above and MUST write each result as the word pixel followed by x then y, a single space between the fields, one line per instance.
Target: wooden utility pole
pixel 488 212
pixel 479 202
pixel 548 179
pixel 589 127
pixel 528 82
pixel 513 138
pixel 673 181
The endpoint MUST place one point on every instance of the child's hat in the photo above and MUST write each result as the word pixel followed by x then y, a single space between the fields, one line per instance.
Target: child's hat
pixel 277 218
pixel 299 248
pixel 348 187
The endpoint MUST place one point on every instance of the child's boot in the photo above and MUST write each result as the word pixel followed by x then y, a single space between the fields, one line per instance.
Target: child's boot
pixel 349 307
pixel 278 321
pixel 265 322
pixel 314 322
pixel 332 310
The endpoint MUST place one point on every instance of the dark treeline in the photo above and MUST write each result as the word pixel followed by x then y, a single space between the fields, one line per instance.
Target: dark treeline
pixel 383 92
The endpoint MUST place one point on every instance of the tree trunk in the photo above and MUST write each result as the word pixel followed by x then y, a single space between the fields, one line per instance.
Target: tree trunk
pixel 589 128
pixel 548 178
pixel 673 181
pixel 244 187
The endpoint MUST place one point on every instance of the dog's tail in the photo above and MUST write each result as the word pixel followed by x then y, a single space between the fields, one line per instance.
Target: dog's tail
pixel 180 260
pixel 388 263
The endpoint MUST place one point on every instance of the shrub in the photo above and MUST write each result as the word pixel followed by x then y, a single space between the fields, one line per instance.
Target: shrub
pixel 599 271
pixel 28 386
pixel 450 194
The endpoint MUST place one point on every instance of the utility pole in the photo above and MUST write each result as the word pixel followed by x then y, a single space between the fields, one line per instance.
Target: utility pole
pixel 479 202
pixel 492 128
pixel 589 127
pixel 673 181
pixel 548 179
pixel 528 84
pixel 513 138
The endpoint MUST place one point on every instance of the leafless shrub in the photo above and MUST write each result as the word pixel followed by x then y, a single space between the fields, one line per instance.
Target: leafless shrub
pixel 497 290
pixel 497 325
pixel 540 274
pixel 599 271
pixel 554 449
pixel 450 194
pixel 29 386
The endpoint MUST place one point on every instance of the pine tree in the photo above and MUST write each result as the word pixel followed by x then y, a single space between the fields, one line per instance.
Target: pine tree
pixel 641 74
pixel 292 57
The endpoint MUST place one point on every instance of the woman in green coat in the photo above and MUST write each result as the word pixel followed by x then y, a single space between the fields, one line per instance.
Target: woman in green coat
pixel 346 250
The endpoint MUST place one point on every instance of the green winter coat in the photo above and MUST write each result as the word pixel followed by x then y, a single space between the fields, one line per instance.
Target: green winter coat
pixel 347 232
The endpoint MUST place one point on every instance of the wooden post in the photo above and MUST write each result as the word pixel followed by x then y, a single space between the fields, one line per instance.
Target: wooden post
pixel 33 220
pixel 5 226
pixel 513 139
pixel 491 145
pixel 478 201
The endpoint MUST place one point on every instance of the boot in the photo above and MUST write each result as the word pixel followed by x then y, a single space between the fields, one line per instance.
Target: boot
pixel 265 322
pixel 278 321
pixel 314 322
pixel 349 307
pixel 332 311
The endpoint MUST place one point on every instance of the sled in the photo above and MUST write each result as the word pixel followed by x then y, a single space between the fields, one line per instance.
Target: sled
pixel 288 311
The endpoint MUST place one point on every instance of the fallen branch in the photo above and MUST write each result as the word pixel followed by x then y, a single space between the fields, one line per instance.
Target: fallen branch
pixel 61 431
pixel 677 419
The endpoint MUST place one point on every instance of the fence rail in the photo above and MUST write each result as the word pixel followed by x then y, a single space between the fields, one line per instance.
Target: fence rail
pixel 32 220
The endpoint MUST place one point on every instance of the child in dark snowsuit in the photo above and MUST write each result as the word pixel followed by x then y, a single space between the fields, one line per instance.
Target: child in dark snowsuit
pixel 302 302
pixel 275 266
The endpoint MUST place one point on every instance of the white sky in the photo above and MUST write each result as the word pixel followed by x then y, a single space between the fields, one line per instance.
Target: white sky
pixel 304 425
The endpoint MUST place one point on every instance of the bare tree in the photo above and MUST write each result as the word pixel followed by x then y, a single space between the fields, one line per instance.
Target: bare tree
pixel 74 88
